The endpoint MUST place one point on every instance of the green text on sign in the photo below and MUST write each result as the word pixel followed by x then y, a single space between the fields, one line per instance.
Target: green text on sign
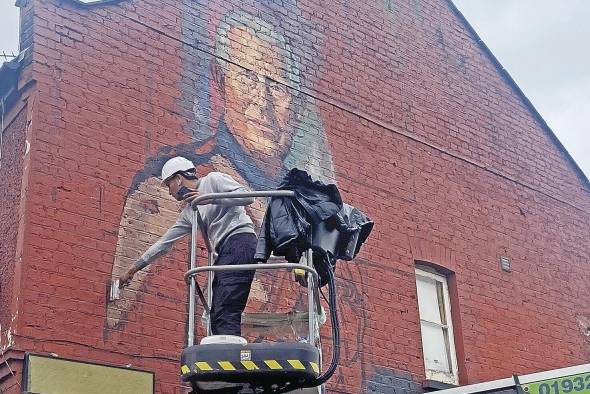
pixel 575 384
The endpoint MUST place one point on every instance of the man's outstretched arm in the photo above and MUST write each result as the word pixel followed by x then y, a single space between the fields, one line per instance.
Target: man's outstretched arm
pixel 178 230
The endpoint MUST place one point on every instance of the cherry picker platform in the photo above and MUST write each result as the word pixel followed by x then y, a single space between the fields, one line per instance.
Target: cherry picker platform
pixel 226 364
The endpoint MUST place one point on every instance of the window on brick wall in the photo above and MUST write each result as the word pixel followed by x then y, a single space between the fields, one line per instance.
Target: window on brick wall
pixel 436 326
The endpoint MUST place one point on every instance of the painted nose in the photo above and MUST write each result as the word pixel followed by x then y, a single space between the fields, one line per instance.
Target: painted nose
pixel 258 102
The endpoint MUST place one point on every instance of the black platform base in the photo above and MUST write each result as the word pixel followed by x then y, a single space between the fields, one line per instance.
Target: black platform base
pixel 215 367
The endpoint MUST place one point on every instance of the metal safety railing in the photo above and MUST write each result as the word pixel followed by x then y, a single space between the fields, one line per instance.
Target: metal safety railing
pixel 312 287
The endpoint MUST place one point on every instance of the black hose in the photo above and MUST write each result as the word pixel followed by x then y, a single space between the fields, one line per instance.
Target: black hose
pixel 324 297
pixel 335 334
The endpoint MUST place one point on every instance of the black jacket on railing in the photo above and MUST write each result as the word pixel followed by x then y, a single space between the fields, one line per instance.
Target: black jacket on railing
pixel 337 230
pixel 342 235
pixel 287 223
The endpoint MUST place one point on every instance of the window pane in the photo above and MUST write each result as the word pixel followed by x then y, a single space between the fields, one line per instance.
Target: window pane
pixel 428 299
pixel 435 348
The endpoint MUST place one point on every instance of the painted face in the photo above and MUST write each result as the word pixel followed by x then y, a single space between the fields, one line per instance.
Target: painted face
pixel 258 109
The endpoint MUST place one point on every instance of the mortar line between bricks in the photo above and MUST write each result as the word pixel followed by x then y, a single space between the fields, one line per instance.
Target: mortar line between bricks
pixel 66 341
pixel 331 101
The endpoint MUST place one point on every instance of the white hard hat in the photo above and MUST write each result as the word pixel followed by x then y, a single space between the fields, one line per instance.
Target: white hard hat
pixel 175 165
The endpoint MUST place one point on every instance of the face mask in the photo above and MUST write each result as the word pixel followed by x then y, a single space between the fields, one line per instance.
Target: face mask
pixel 182 192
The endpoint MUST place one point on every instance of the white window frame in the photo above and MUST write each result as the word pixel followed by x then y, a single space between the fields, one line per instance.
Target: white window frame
pixel 440 376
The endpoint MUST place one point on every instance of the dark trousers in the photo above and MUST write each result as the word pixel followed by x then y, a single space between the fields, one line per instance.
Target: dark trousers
pixel 231 288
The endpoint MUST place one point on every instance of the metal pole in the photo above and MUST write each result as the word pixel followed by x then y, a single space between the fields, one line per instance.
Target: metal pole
pixel 209 292
pixel 217 196
pixel 191 301
pixel 310 299
pixel 253 267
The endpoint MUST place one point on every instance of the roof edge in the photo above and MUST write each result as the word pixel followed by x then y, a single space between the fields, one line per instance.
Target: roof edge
pixel 504 73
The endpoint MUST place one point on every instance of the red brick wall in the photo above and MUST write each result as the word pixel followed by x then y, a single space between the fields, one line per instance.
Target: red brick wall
pixel 394 100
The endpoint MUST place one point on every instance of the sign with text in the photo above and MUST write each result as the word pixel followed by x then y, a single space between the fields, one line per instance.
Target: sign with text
pixel 51 375
pixel 574 384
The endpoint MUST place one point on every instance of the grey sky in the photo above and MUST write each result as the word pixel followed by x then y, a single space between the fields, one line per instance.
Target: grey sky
pixel 540 42
pixel 543 45
pixel 8 27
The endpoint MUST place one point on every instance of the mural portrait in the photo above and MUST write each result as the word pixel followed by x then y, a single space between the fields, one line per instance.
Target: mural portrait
pixel 247 117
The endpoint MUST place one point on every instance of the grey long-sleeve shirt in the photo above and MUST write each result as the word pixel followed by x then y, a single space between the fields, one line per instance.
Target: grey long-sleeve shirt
pixel 218 221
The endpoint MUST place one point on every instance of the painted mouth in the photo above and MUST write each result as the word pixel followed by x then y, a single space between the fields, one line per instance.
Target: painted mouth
pixel 265 128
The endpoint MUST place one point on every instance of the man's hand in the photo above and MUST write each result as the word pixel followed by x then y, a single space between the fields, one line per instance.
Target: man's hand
pixel 190 197
pixel 125 279
pixel 300 277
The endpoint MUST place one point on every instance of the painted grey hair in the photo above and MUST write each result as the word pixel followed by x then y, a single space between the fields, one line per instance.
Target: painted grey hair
pixel 259 28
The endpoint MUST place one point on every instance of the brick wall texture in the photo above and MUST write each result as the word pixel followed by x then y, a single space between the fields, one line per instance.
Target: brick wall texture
pixel 11 172
pixel 394 100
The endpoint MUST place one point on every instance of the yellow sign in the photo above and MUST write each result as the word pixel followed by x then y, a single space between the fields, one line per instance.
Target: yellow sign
pixel 50 375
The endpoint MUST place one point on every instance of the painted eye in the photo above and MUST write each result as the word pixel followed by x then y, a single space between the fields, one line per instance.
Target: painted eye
pixel 278 89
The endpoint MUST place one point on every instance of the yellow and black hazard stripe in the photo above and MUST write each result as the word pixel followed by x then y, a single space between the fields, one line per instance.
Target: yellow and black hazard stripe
pixel 272 365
